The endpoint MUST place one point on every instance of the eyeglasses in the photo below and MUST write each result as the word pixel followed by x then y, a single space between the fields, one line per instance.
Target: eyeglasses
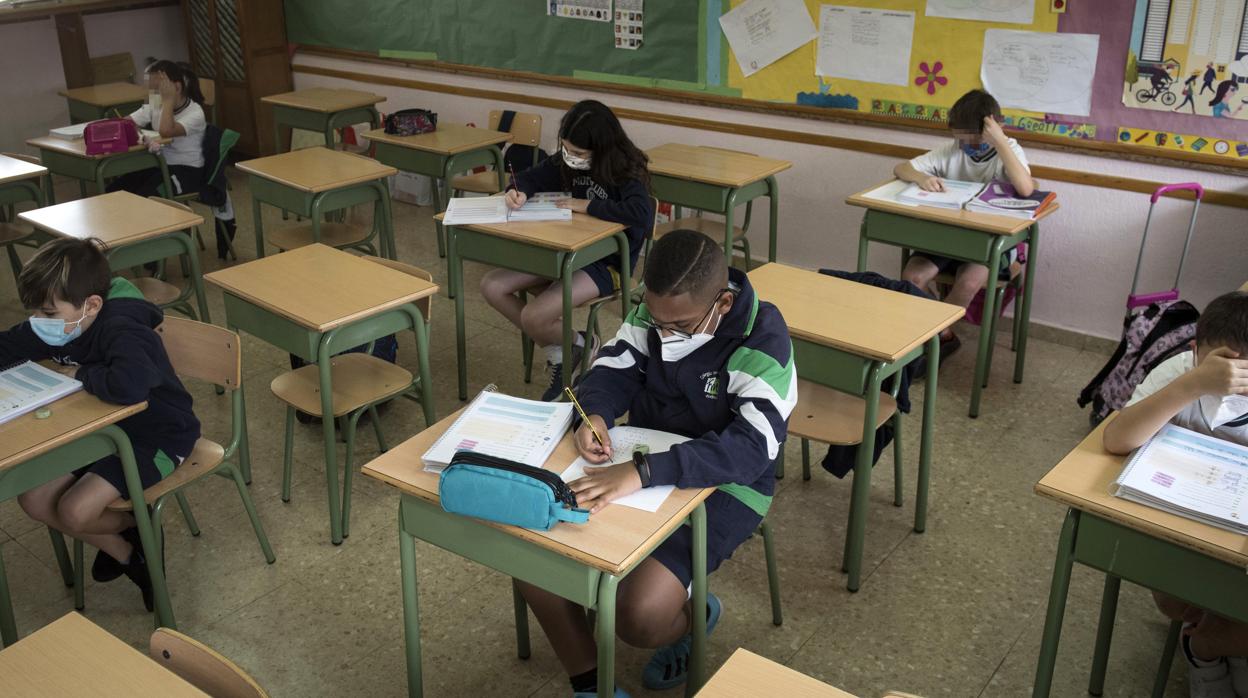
pixel 681 333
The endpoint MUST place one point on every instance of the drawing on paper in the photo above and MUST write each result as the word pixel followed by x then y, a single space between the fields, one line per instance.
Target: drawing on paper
pixel 1050 73
pixel 1010 11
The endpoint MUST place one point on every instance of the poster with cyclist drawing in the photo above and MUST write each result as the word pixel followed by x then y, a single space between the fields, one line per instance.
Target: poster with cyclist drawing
pixel 1189 56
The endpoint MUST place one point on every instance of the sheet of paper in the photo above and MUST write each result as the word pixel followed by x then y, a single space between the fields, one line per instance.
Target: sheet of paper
pixel 525 431
pixel 1009 11
pixel 889 193
pixel 858 43
pixel 625 440
pixel 595 10
pixel 470 210
pixel 1040 71
pixel 762 32
pixel 629 23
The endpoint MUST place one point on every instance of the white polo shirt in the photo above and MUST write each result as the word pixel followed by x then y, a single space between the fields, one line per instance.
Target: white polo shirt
pixel 183 150
pixel 949 162
pixel 1199 416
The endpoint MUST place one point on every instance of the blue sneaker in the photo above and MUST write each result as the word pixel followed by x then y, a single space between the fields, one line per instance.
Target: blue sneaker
pixel 619 693
pixel 669 667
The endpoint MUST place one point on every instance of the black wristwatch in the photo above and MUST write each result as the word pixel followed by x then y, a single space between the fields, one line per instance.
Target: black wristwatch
pixel 643 467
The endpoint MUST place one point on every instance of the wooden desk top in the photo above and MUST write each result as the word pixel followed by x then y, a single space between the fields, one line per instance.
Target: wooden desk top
pixel 320 287
pixel 614 539
pixel 107 95
pixel 1082 481
pixel 116 218
pixel 73 657
pixel 712 165
pixel 863 320
pixel 747 675
pixel 324 99
pixel 317 169
pixel 77 147
pixel 73 416
pixel 12 170
pixel 449 139
pixel 580 232
pixel 984 222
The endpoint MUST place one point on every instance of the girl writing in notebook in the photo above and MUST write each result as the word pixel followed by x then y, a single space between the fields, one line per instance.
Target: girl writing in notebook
pixel 607 178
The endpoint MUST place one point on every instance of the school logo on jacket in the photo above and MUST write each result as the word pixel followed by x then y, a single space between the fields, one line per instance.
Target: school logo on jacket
pixel 711 384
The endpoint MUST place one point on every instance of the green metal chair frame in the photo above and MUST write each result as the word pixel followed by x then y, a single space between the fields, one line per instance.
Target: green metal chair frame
pixel 17 193
pixel 229 138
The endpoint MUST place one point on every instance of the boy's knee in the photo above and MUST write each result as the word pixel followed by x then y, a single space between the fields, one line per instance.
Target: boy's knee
pixel 490 286
pixel 74 516
pixel 37 506
pixel 533 317
pixel 643 624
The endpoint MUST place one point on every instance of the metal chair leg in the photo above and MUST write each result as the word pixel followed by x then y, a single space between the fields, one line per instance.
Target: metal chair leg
pixel 1167 658
pixel 185 506
pixel 288 456
pixel 522 622
pixel 250 506
pixel 773 573
pixel 805 459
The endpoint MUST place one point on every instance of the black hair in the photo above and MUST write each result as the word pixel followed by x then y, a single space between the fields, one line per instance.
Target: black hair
pixel 591 125
pixel 1223 88
pixel 180 73
pixel 967 114
pixel 1225 323
pixel 686 261
pixel 66 269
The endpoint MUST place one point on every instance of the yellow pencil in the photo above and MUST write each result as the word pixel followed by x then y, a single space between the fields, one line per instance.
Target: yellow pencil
pixel 584 417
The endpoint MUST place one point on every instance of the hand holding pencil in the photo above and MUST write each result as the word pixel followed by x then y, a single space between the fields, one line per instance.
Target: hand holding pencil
pixel 592 440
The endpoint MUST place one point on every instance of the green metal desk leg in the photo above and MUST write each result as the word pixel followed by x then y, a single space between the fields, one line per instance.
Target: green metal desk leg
pixel 456 280
pixel 62 557
pixel 773 197
pixel 329 425
pixel 863 241
pixel 389 249
pixel 626 273
pixel 697 668
pixel 151 548
pixel 258 226
pixel 1057 606
pixel 197 279
pixel 439 230
pixel 411 608
pixel 426 376
pixel 985 333
pixel 8 626
pixel 604 627
pixel 1033 247
pixel 522 621
pixel 565 279
pixel 855 536
pixel 1167 658
pixel 1104 634
pixel 729 210
pixel 932 356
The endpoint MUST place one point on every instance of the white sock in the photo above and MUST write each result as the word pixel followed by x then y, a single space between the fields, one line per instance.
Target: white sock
pixel 225 212
pixel 580 340
pixel 554 353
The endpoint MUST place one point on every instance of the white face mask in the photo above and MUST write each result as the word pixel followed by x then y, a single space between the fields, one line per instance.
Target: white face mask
pixel 676 347
pixel 573 161
pixel 1219 410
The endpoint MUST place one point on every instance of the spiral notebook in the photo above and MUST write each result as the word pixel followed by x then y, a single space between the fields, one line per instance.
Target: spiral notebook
pixel 27 386
pixel 525 431
pixel 1189 474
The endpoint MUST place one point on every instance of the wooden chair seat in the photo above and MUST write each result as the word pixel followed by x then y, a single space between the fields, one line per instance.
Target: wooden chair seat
pixel 832 417
pixel 157 291
pixel 333 234
pixel 12 232
pixel 481 182
pixel 713 229
pixel 206 456
pixel 359 379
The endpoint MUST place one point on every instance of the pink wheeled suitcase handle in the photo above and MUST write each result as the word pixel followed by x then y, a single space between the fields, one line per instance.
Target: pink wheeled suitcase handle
pixel 1189 186
pixel 1145 299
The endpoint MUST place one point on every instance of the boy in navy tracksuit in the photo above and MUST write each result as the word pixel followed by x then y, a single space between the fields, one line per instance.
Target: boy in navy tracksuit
pixel 83 318
pixel 705 358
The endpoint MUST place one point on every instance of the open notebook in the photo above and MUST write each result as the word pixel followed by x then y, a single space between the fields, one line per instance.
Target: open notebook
pixel 1186 473
pixel 485 210
pixel 524 431
pixel 27 386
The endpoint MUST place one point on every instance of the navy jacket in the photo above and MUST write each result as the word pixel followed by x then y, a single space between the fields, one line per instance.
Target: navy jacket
pixel 732 397
pixel 121 360
pixel 628 204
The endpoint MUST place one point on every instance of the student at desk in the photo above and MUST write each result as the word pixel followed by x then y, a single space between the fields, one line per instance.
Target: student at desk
pixel 608 179
pixel 178 115
pixel 84 318
pixel 1205 390
pixel 979 152
pixel 702 356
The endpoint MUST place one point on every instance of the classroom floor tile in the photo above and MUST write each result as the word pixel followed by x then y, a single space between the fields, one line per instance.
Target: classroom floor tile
pixel 955 611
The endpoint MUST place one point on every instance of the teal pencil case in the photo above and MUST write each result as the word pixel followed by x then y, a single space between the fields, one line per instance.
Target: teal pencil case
pixel 506 492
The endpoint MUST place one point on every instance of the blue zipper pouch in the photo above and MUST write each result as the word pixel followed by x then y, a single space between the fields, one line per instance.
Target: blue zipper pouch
pixel 506 492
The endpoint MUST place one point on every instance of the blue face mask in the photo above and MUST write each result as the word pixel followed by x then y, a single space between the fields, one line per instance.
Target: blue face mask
pixel 52 330
pixel 976 150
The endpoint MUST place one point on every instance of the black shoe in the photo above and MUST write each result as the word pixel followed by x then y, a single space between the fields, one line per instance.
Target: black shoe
pixel 136 570
pixel 305 418
pixel 106 568
pixel 225 235
pixel 555 389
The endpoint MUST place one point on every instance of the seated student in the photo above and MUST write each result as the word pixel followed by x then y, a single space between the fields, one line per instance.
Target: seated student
pixel 101 329
pixel 702 356
pixel 180 116
pixel 1203 390
pixel 979 152
pixel 608 179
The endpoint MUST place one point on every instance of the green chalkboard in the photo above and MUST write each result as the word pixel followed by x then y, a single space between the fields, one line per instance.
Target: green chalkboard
pixel 507 34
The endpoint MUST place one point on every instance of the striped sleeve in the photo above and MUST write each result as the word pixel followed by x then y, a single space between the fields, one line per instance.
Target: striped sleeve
pixel 618 372
pixel 764 392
